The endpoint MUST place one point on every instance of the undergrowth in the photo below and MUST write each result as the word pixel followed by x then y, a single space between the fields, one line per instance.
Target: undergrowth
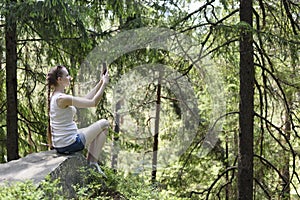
pixel 116 186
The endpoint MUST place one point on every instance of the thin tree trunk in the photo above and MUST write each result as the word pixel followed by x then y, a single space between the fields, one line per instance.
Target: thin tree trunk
pixel 2 135
pixel 156 129
pixel 11 87
pixel 115 139
pixel 227 188
pixel 286 159
pixel 245 161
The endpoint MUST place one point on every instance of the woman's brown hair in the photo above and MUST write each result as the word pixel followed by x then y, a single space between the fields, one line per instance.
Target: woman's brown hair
pixel 52 76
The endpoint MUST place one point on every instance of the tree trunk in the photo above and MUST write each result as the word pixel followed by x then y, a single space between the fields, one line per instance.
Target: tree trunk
pixel 11 86
pixel 115 139
pixel 156 129
pixel 227 188
pixel 2 100
pixel 245 161
pixel 285 171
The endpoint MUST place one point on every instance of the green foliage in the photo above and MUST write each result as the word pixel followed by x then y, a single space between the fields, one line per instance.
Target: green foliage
pixel 115 186
pixel 28 191
pixel 56 31
pixel 120 186
pixel 21 191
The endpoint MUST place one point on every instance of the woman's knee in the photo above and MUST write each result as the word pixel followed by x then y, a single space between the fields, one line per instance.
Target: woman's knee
pixel 103 123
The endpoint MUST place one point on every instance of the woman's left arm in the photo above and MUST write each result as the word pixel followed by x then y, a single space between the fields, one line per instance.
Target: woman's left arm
pixel 92 93
pixel 67 100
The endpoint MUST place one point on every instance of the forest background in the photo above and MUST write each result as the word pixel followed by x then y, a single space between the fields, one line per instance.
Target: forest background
pixel 252 47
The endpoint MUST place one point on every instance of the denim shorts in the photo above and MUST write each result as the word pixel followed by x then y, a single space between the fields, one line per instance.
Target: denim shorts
pixel 78 145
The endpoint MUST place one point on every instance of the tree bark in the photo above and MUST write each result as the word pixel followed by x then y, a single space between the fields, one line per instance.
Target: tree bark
pixel 115 138
pixel 156 129
pixel 11 86
pixel 2 100
pixel 245 161
pixel 285 171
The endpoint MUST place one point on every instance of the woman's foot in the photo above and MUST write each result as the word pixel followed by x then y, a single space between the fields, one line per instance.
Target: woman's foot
pixel 96 165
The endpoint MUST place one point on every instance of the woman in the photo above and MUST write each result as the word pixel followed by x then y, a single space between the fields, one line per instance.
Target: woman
pixel 66 137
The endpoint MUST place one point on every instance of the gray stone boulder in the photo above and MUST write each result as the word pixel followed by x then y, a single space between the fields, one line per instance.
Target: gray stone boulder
pixel 37 166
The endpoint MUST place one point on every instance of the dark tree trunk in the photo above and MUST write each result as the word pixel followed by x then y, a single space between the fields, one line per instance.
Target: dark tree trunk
pixel 2 100
pixel 156 130
pixel 114 156
pixel 286 157
pixel 11 87
pixel 227 188
pixel 245 161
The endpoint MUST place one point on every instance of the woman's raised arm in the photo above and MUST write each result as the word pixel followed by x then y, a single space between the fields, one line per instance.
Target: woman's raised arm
pixel 90 100
pixel 92 93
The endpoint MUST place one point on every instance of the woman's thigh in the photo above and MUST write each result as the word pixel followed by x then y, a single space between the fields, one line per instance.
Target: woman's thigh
pixel 91 132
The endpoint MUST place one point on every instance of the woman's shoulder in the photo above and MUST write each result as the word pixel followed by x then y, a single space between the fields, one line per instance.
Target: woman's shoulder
pixel 64 100
pixel 63 95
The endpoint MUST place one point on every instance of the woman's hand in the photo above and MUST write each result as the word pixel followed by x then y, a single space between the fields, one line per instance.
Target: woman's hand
pixel 105 78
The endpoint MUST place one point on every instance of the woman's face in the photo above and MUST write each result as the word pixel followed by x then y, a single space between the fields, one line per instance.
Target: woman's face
pixel 65 78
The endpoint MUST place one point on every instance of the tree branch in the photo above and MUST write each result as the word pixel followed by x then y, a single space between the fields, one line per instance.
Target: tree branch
pixel 192 13
pixel 294 24
pixel 208 190
pixel 263 188
pixel 280 132
pixel 283 95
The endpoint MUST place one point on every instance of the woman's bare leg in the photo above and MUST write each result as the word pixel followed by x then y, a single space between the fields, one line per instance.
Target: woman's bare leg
pixel 95 136
pixel 94 149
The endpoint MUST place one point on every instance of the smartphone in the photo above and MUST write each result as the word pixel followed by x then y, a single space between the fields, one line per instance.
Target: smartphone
pixel 104 68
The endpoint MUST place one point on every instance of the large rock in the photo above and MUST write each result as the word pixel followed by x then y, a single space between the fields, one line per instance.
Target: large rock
pixel 37 166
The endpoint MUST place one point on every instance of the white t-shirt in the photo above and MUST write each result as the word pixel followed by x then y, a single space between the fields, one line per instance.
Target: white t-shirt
pixel 63 127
